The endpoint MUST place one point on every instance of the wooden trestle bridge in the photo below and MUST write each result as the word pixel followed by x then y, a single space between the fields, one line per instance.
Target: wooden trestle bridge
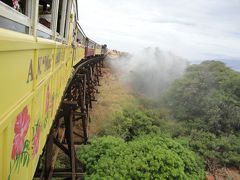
pixel 70 127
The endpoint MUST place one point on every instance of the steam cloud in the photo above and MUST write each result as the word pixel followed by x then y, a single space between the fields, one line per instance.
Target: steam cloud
pixel 150 71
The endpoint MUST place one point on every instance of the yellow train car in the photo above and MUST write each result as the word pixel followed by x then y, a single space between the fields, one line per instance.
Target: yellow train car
pixel 98 49
pixel 79 46
pixel 36 62
pixel 79 53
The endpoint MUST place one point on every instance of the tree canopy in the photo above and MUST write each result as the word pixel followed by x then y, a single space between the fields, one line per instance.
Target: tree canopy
pixel 146 157
pixel 208 93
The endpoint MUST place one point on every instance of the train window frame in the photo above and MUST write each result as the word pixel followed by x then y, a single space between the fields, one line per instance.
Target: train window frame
pixel 13 18
pixel 43 29
pixel 51 33
pixel 59 36
pixel 80 36
pixel 47 33
pixel 29 23
pixel 63 18
pixel 67 20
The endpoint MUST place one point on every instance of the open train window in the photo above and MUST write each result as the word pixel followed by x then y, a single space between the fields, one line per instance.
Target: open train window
pixel 66 20
pixel 15 15
pixel 80 37
pixel 59 16
pixel 19 5
pixel 52 18
pixel 45 13
pixel 62 18
pixel 91 44
pixel 45 18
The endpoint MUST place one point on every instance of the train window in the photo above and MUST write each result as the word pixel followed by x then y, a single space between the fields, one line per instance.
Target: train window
pixel 80 37
pixel 66 23
pixel 90 44
pixel 43 34
pixel 12 25
pixel 52 18
pixel 59 15
pixel 45 13
pixel 15 15
pixel 62 19
pixel 21 6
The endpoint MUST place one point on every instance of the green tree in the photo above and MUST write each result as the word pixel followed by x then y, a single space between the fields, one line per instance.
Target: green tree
pixel 146 157
pixel 216 150
pixel 131 123
pixel 210 94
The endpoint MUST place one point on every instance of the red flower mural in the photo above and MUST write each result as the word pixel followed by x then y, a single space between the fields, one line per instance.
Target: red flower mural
pixel 36 140
pixel 47 100
pixel 20 131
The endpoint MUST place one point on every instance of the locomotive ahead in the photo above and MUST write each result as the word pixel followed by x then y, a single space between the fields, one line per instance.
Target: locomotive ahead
pixel 40 43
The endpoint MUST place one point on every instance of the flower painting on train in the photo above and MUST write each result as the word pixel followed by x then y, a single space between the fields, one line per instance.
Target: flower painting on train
pixel 21 145
pixel 20 131
pixel 36 139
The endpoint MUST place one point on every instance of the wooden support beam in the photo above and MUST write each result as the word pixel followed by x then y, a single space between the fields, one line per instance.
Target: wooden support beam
pixel 74 117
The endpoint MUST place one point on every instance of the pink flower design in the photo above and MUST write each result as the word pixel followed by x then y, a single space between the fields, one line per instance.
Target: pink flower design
pixel 47 100
pixel 36 141
pixel 20 131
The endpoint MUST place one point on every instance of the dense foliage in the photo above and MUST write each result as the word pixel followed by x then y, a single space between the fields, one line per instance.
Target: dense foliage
pixel 208 94
pixel 217 151
pixel 201 111
pixel 146 157
pixel 206 101
pixel 131 123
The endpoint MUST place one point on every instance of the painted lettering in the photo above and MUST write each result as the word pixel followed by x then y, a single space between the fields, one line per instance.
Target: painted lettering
pixel 30 72
pixel 58 55
pixel 44 64
pixel 47 63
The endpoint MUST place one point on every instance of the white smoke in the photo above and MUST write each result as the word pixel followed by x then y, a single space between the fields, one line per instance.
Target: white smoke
pixel 150 71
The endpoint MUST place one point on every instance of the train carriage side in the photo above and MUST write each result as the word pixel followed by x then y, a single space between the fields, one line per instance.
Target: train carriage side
pixel 98 49
pixel 79 45
pixel 35 65
pixel 90 48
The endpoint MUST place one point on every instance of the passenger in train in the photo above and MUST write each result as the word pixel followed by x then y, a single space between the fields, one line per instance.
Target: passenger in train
pixel 16 4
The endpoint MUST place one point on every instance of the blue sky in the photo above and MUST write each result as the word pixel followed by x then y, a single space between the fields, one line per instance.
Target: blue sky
pixel 193 29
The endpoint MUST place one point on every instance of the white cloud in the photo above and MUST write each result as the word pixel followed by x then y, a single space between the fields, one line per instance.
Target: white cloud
pixel 199 29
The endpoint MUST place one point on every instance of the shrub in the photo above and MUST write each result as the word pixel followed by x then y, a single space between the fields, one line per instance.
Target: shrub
pixel 131 123
pixel 146 157
pixel 223 150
